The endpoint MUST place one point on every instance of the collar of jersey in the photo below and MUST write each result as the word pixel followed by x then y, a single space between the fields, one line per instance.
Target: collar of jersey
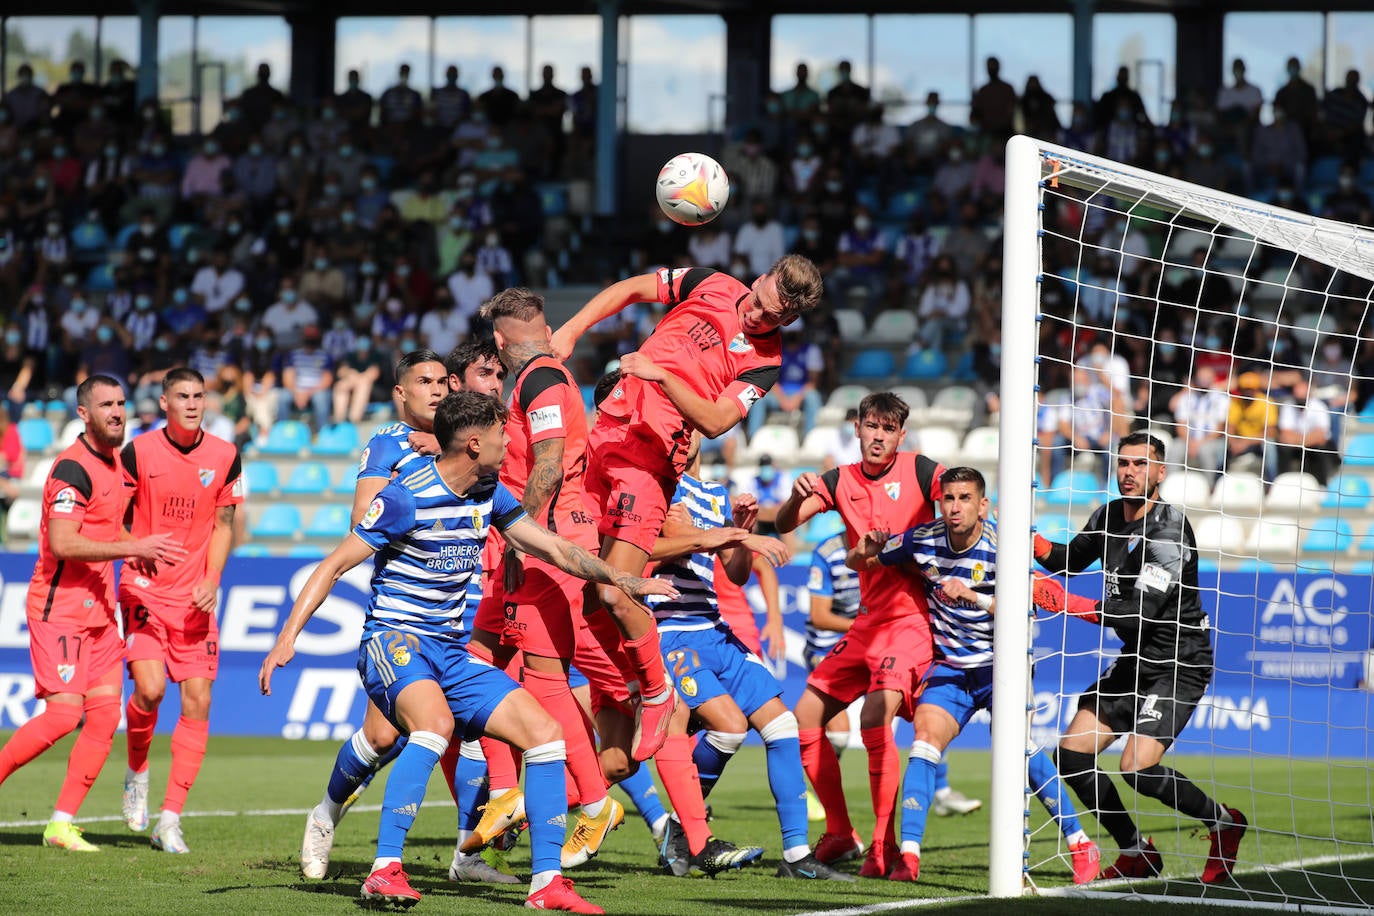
pixel 82 439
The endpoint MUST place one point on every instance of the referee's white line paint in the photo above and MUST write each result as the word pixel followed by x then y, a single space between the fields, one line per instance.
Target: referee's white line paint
pixel 262 812
pixel 893 905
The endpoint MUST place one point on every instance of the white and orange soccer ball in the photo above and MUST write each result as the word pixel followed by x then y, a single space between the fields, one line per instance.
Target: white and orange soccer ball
pixel 692 189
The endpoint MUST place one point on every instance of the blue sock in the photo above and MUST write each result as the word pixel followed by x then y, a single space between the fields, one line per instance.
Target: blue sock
pixel 639 786
pixel 942 775
pixel 351 768
pixel 712 753
pixel 918 790
pixel 1044 778
pixel 546 804
pixel 470 785
pixel 787 779
pixel 405 791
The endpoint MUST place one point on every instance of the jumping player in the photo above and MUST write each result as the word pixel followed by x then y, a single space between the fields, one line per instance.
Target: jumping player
pixel 74 642
pixel 713 355
pixel 884 656
pixel 426 531
pixel 186 482
pixel 956 558
pixel 1150 690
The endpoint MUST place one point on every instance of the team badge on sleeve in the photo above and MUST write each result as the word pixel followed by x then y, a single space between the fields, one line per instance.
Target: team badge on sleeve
pixel 64 503
pixel 814 582
pixel 207 476
pixel 237 489
pixel 750 396
pixel 362 464
pixel 373 513
pixel 544 419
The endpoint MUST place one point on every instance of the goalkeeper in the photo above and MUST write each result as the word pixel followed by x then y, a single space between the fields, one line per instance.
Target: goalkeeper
pixel 1149 692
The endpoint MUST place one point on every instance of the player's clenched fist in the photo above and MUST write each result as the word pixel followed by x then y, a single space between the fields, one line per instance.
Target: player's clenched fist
pixel 640 366
pixel 805 484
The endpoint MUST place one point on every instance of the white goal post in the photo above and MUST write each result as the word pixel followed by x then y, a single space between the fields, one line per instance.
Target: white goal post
pixel 1244 234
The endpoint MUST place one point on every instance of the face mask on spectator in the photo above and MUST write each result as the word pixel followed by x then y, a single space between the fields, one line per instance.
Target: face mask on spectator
pixel 803 150
pixel 54 229
pixel 456 223
pixel 393 306
pixel 407 345
pixel 112 151
pixel 1331 351
pixel 321 263
pixel 1167 350
pixel 767 474
pixel 368 268
pixel 363 310
pixel 327 114
pixel 493 240
pixel 834 187
pixel 104 333
pixel 297 151
pixel 143 303
pixel 180 296
pixel 340 324
pixel 362 345
pixel 12 338
pixel 348 217
pixel 69 280
pixel 255 149
pixel 162 344
pixel 26 155
pixel 284 219
pixel 369 183
pixel 862 224
pixel 234 228
pixel 147 228
pixel 288 296
pixel 346 150
pixel 262 344
pixel 40 183
pixel 78 306
pixel 243 304
pixel 331 190
pixel 212 149
pixel 402 270
pixel 158 149
pixel 59 152
pixel 811 235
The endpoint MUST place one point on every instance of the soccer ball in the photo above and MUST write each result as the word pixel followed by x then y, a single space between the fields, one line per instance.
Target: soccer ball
pixel 692 189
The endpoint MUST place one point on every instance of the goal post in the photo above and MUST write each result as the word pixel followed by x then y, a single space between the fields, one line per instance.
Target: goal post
pixel 1111 275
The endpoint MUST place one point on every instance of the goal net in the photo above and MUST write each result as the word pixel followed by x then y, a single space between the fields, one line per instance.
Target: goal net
pixel 1239 334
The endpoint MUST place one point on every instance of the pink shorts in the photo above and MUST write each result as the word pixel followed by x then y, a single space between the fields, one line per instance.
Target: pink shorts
pixel 894 655
pixel 182 638
pixel 628 488
pixel 71 659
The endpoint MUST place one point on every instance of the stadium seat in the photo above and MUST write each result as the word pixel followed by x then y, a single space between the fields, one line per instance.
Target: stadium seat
pixel 963 370
pixel 982 445
pixel 851 324
pixel 553 198
pixel 70 431
pixel 36 434
pixel 309 478
pixel 347 481
pixel 252 550
pixel 1359 451
pixel 940 443
pixel 847 397
pixel 261 478
pixel 588 394
pixel 777 442
pixel 176 236
pixel 1217 533
pixel 306 552
pixel 1055 525
pixel 1239 495
pixel 279 520
pixel 953 406
pixel 1347 492
pixel 287 437
pixel 23 519
pixel 924 366
pixel 329 522
pixel 1187 490
pixel 819 444
pixel 90 241
pixel 901 205
pixel 822 526
pixel 36 472
pixel 892 328
pixel 122 237
pixel 339 439
pixel 914 397
pixel 1273 537
pixel 1251 565
pixel 872 365
pixel 1324 172
pixel 1330 536
pixel 1079 488
pixel 1294 491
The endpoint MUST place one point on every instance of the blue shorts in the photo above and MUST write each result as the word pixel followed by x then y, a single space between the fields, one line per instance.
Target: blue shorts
pixel 390 661
pixel 705 664
pixel 576 678
pixel 958 691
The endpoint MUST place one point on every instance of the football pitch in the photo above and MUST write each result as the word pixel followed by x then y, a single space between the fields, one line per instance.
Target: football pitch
pixel 253 793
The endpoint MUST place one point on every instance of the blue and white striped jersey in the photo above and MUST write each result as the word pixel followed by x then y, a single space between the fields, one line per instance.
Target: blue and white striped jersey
pixel 963 634
pixel 429 549
pixel 388 452
pixel 693 576
pixel 830 578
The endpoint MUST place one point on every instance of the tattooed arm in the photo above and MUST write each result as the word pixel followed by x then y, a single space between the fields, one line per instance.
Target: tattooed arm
pixel 578 561
pixel 545 476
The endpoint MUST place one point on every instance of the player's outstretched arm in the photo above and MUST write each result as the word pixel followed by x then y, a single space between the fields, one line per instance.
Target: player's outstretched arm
pixel 801 504
pixel 711 417
pixel 679 537
pixel 352 551
pixel 577 561
pixel 609 301
pixel 68 543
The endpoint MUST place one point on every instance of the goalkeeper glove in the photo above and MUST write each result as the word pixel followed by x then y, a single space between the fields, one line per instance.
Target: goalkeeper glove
pixel 1048 595
pixel 1040 547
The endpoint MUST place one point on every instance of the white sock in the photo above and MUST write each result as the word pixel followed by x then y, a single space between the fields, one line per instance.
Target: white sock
pixel 942 793
pixel 796 853
pixel 139 777
pixel 463 835
pixel 383 861
pixel 911 846
pixel 169 819
pixel 1226 820
pixel 499 793
pixel 61 817
pixel 660 825
pixel 541 880
pixel 592 809
pixel 330 810
pixel 659 698
pixel 1076 837
pixel 1134 849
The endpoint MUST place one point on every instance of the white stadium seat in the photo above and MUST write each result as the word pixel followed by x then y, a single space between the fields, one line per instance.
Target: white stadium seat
pixel 1187 490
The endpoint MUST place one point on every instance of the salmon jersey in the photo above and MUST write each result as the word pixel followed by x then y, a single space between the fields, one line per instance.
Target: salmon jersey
pixel 546 404
pixel 700 341
pixel 900 498
pixel 87 488
pixel 178 490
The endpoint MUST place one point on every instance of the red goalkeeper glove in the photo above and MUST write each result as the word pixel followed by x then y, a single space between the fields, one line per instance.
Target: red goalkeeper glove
pixel 1049 595
pixel 1040 547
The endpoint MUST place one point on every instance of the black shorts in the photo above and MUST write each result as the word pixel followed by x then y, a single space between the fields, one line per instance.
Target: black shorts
pixel 1154 701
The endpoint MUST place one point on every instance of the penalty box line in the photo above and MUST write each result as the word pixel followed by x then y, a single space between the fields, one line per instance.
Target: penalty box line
pixel 263 812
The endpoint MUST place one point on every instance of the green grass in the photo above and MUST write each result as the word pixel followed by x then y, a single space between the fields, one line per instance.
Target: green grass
pixel 248 863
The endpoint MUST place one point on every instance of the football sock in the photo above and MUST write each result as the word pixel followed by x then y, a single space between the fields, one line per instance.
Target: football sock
pixel 838 740
pixel 712 753
pixel 787 779
pixel 823 769
pixel 1098 793
pixel 639 786
pixel 138 732
pixel 941 775
pixel 189 739
pixel 90 751
pixel 470 784
pixel 1049 788
pixel 405 790
pixel 38 734
pixel 680 780
pixel 544 805
pixel 448 765
pixel 884 779
pixel 355 761
pixel 646 659
pixel 918 789
pixel 553 693
pixel 503 768
pixel 1175 790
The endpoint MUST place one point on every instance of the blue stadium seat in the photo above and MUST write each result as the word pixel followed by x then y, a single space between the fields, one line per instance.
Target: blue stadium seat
pixel 261 478
pixel 385 166
pixel 339 439
pixel 306 552
pixel 329 522
pixel 924 366
pixel 122 238
pixel 309 478
pixel 279 520
pixel 1078 487
pixel 1329 535
pixel 36 434
pixel 286 437
pixel 101 278
pixel 902 204
pixel 868 196
pixel 822 526
pixel 1367 542
pixel 176 236
pixel 871 365
pixel 553 198
pixel 1324 172
pixel 1251 565
pixel 963 369
pixel 90 241
pixel 1359 451
pixel 347 482
pixel 252 550
pixel 1347 492
pixel 1055 526
pixel 588 392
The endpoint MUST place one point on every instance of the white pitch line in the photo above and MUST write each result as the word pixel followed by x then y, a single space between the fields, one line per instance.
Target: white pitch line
pixel 261 812
pixel 893 905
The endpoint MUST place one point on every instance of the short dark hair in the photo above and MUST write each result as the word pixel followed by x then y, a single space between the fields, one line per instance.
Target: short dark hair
pixel 516 302
pixel 472 350
pixel 1144 438
pixel 412 359
pixel 885 405
pixel 604 386
pixel 464 410
pixel 965 474
pixel 83 391
pixel 799 283
pixel 181 374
